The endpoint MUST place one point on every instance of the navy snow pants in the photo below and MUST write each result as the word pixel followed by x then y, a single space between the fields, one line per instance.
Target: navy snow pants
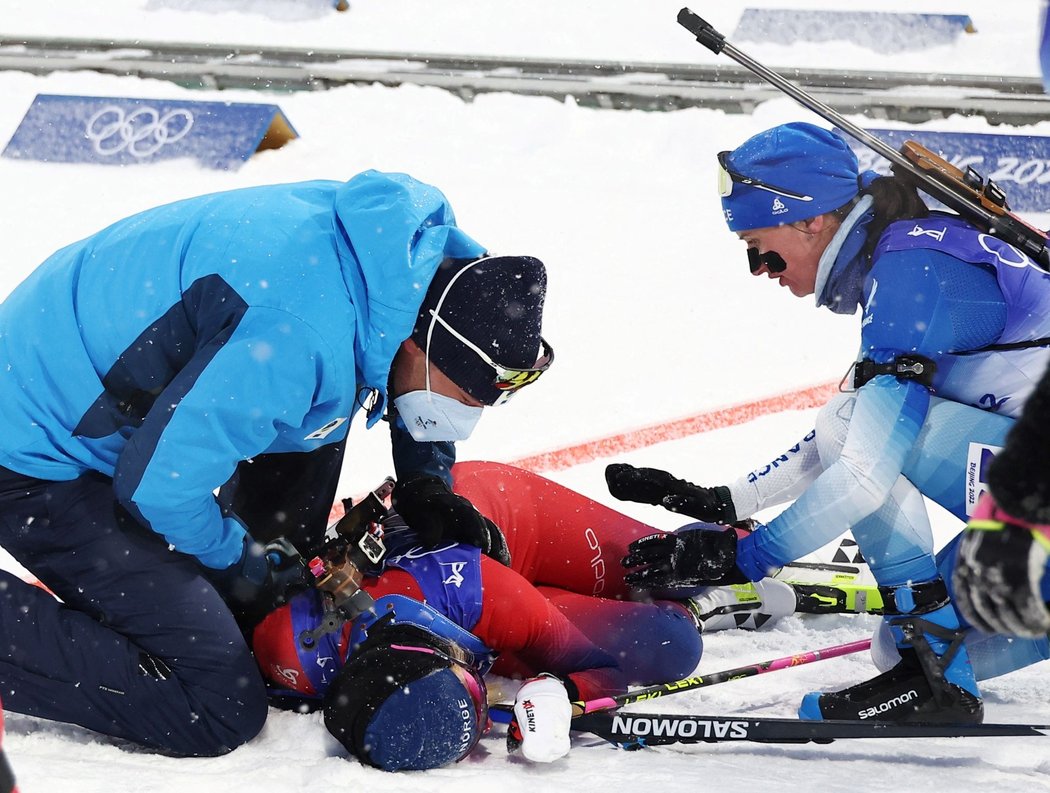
pixel 141 647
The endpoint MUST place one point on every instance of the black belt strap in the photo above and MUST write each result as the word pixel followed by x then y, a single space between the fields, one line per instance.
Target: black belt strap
pixel 903 367
pixel 922 369
pixel 1008 346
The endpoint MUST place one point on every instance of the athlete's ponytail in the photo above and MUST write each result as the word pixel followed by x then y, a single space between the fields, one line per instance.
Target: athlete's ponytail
pixel 895 198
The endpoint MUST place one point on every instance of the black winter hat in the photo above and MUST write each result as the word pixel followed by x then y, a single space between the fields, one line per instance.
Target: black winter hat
pixel 496 303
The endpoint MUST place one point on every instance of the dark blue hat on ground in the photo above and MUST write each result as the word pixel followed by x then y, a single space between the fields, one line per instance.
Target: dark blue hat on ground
pixel 812 162
pixel 397 704
pixel 428 723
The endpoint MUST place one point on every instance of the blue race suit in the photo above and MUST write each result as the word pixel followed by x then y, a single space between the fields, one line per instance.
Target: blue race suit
pixel 945 294
pixel 936 287
pixel 448 611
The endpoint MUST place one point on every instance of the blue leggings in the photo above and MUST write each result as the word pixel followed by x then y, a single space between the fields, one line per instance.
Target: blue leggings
pixel 947 465
pixel 141 647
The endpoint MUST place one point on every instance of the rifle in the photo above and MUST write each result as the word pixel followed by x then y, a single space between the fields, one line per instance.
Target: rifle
pixel 340 563
pixel 983 203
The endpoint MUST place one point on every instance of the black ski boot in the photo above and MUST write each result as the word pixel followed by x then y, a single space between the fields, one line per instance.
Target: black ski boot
pixel 933 682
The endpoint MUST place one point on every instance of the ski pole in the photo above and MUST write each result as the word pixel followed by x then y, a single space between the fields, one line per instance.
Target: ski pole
pixel 992 216
pixel 503 713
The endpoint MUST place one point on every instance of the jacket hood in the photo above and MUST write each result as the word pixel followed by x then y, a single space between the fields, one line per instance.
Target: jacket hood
pixel 393 231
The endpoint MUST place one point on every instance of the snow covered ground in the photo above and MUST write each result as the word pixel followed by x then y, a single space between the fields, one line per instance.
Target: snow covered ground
pixel 651 310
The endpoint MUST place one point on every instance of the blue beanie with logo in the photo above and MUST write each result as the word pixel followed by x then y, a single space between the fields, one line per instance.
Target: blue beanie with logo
pixel 812 162
pixel 399 706
pixel 427 723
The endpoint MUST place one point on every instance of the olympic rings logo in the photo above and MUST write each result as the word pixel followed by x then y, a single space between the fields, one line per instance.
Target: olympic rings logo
pixel 142 133
pixel 998 248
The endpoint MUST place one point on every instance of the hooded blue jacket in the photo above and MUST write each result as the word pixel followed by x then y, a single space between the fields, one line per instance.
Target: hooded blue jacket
pixel 167 348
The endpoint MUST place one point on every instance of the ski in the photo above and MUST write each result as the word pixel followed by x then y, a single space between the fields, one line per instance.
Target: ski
pixel 832 588
pixel 838 598
pixel 640 730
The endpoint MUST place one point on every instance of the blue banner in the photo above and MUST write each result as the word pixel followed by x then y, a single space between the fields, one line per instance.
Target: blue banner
pixel 119 131
pixel 877 30
pixel 1019 164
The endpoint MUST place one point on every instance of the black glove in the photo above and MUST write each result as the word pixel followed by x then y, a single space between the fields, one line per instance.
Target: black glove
pixel 265 575
pixel 438 515
pixel 653 486
pixel 688 557
pixel 999 568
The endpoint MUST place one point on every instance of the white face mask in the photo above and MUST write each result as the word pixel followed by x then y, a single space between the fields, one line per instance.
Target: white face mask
pixel 434 417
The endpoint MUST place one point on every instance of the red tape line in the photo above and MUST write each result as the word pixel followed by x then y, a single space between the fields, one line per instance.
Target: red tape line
pixel 559 459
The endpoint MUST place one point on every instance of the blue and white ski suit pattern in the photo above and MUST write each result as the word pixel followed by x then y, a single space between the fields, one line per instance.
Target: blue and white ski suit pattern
pixel 936 287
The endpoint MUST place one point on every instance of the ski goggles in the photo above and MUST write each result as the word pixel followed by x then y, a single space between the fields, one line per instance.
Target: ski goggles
pixel 728 176
pixel 508 380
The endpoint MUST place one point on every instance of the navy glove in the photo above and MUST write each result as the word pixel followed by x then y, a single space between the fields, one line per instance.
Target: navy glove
pixel 999 568
pixel 264 576
pixel 687 557
pixel 438 515
pixel 659 488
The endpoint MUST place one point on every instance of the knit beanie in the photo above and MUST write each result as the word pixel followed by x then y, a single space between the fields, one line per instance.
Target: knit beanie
pixel 497 304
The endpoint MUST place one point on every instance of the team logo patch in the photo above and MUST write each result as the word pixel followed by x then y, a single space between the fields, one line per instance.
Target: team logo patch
pixel 323 432
pixel 869 303
pixel 978 459
pixel 455 576
pixel 937 234
pixel 291 675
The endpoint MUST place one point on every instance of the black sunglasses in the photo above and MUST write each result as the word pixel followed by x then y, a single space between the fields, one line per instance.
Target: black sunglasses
pixel 727 176
pixel 773 261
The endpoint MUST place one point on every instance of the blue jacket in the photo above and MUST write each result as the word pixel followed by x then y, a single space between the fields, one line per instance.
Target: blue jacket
pixel 934 287
pixel 178 342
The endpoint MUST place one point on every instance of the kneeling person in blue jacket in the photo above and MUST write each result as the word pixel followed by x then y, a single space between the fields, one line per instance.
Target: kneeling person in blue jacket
pixel 223 344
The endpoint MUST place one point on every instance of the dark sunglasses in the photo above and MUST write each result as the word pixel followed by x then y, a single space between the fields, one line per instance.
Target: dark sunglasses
pixel 772 260
pixel 727 176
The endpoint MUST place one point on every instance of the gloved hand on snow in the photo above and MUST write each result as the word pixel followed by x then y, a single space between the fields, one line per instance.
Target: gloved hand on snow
pixel 542 714
pixel 659 488
pixel 1000 564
